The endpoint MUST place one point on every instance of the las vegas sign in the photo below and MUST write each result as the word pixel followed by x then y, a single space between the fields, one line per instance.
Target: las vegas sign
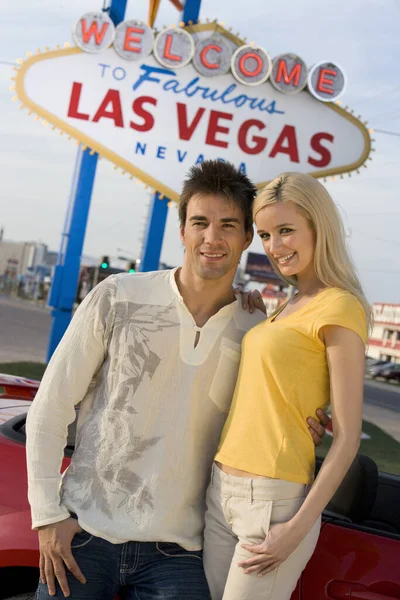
pixel 154 103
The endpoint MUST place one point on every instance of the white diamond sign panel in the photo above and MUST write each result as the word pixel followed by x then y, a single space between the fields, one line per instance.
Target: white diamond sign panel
pixel 155 121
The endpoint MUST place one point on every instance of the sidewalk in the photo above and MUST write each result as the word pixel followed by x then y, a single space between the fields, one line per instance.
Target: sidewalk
pixel 12 300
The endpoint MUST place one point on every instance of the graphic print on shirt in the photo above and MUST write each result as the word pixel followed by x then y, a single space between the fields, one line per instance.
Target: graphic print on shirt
pixel 108 441
pixel 142 359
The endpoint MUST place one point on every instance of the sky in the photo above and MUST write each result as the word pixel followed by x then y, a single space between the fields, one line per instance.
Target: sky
pixel 36 164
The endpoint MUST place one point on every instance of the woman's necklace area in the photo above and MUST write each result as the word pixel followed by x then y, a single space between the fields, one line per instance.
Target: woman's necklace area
pixel 297 296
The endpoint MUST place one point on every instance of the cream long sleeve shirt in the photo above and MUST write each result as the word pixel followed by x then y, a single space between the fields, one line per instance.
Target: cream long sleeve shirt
pixel 151 411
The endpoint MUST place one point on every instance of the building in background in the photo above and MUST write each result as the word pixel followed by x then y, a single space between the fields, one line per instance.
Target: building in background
pixel 17 258
pixel 273 298
pixel 259 274
pixel 26 268
pixel 51 258
pixel 259 268
pixel 384 342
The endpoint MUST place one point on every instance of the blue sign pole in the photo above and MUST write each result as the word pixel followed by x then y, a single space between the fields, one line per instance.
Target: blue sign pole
pixel 158 212
pixel 66 274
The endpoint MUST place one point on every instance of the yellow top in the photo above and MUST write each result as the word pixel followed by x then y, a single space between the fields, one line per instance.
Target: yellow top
pixel 283 379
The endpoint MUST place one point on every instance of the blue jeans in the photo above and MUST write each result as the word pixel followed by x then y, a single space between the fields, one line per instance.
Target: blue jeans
pixel 134 571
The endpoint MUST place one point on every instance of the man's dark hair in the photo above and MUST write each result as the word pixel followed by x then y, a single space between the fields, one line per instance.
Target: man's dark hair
pixel 220 179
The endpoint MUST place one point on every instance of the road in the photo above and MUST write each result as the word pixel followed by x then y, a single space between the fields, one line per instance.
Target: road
pixel 382 406
pixel 24 330
pixel 25 327
pixel 379 393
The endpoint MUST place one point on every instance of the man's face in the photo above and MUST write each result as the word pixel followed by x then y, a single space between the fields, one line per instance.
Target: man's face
pixel 214 236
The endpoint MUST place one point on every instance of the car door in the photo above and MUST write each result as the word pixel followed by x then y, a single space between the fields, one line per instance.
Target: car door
pixel 352 564
pixel 359 561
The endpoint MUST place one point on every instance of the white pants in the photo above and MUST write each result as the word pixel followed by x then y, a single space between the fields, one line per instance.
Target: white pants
pixel 241 510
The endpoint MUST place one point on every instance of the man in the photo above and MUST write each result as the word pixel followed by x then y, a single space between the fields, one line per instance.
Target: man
pixel 152 358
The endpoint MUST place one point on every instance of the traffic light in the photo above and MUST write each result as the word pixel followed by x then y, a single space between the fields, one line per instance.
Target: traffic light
pixel 105 263
pixel 132 267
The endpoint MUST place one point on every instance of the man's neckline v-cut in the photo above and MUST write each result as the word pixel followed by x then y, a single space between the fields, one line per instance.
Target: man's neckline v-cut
pixel 227 308
pixel 207 335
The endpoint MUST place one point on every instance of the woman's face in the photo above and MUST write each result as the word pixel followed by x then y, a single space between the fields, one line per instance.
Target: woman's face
pixel 287 238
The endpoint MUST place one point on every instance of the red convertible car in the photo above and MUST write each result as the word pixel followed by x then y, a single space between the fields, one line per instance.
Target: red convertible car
pixel 357 556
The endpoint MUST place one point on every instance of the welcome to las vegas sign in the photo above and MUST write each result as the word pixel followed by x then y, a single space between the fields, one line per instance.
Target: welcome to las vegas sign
pixel 156 104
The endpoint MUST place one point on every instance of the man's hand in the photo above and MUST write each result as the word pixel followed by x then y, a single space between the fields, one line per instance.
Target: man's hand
pixel 55 554
pixel 251 300
pixel 317 428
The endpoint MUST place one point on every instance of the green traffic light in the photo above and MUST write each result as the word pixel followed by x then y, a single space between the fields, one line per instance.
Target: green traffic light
pixel 104 265
pixel 131 270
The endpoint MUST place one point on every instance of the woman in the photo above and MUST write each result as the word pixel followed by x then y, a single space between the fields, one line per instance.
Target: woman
pixel 263 520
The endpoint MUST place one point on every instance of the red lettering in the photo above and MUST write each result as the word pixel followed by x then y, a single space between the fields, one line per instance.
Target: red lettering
pixel 287 77
pixel 203 56
pixel 323 80
pixel 320 149
pixel 186 130
pixel 286 144
pixel 242 64
pixel 112 97
pixel 214 127
pixel 93 30
pixel 74 103
pixel 131 39
pixel 258 142
pixel 148 119
pixel 167 50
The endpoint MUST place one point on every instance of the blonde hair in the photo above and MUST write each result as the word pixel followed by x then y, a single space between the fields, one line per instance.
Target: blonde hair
pixel 332 262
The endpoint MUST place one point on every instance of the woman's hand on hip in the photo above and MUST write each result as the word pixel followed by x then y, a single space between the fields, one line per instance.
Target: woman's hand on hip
pixel 281 540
